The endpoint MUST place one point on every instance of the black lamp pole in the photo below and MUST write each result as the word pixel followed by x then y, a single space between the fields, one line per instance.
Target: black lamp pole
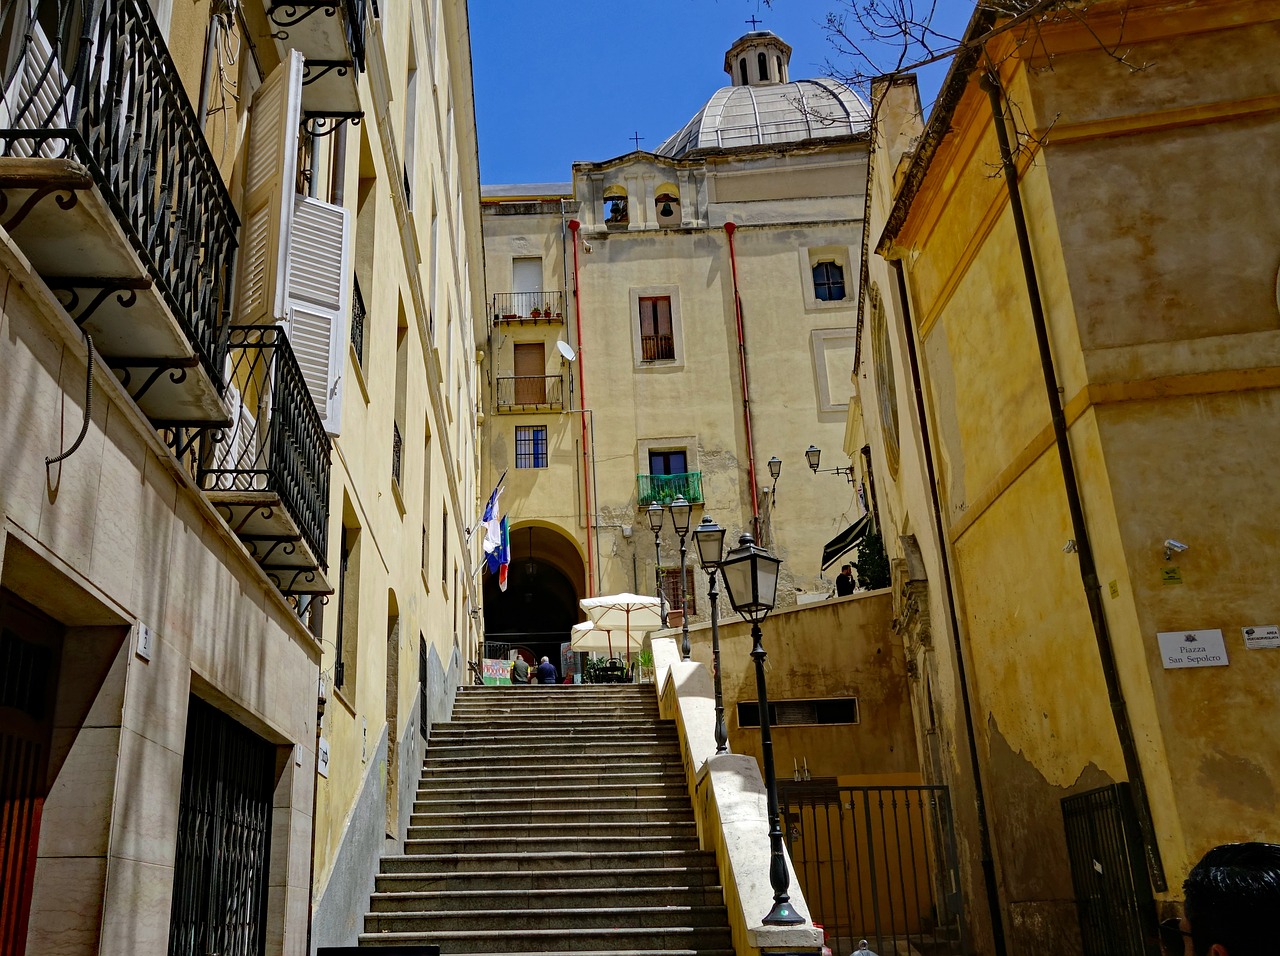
pixel 680 509
pixel 751 578
pixel 709 538
pixel 655 514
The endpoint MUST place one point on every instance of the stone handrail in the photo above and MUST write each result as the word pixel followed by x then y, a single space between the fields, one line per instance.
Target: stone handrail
pixel 730 808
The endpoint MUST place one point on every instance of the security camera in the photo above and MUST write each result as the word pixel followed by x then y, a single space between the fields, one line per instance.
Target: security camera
pixel 1171 545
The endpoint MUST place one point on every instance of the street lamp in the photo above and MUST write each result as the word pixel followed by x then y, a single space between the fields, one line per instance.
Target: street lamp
pixel 709 538
pixel 775 469
pixel 813 454
pixel 680 511
pixel 655 514
pixel 751 578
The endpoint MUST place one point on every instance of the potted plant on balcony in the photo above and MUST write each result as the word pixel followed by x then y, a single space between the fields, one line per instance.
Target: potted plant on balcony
pixel 535 313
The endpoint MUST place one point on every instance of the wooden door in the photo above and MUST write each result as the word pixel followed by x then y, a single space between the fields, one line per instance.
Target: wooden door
pixel 531 369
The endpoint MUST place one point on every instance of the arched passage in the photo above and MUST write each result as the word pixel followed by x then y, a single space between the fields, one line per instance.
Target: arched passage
pixel 545 579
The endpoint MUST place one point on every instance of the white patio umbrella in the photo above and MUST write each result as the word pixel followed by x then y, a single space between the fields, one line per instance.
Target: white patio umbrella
pixel 588 636
pixel 633 614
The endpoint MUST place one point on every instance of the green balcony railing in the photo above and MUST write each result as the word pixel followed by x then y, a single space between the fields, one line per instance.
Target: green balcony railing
pixel 664 488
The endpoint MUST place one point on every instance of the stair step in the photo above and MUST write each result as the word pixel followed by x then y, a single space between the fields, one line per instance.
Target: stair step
pixel 563 777
pixel 601 829
pixel 604 796
pixel 553 815
pixel 602 748
pixel 553 860
pixel 541 881
pixel 575 843
pixel 582 918
pixel 567 940
pixel 508 900
pixel 503 758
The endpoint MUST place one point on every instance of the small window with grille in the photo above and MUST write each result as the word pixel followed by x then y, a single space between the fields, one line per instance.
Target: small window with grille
pixel 671 590
pixel 531 446
pixel 797 713
pixel 828 281
pixel 657 339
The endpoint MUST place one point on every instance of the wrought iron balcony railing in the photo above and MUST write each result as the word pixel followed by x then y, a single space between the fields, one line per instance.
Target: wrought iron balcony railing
pixel 525 307
pixel 357 322
pixel 664 488
pixel 276 443
pixel 657 348
pixel 527 392
pixel 101 90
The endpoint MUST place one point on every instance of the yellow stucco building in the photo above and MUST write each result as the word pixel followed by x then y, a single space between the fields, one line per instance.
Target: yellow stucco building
pixel 1081 558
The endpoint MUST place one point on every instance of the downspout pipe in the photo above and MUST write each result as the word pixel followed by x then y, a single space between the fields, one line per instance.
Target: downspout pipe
pixel 587 453
pixel 729 229
pixel 987 861
pixel 990 84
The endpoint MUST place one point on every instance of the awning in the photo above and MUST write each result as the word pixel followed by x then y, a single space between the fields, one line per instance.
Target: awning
pixel 845 541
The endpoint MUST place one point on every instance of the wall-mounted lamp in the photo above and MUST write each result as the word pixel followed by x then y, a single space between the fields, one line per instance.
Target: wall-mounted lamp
pixel 775 469
pixel 1171 545
pixel 813 454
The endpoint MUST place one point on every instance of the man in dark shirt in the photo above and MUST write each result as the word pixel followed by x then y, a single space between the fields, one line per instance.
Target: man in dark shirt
pixel 844 581
pixel 546 672
pixel 519 671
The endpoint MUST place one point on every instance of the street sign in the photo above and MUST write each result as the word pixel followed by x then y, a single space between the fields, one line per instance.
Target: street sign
pixel 1261 635
pixel 1192 648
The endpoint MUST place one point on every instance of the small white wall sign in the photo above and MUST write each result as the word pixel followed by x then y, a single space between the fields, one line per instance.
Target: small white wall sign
pixel 1193 648
pixel 322 757
pixel 1261 635
pixel 144 641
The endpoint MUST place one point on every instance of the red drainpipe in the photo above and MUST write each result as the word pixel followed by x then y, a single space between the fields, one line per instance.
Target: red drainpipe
pixel 574 226
pixel 729 228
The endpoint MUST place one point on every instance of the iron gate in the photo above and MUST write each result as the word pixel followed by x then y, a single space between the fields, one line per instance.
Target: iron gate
pixel 877 863
pixel 1113 897
pixel 224 838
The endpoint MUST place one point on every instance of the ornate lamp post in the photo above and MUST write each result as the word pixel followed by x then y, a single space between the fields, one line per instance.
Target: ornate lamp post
pixel 813 454
pixel 655 514
pixel 680 511
pixel 775 469
pixel 709 539
pixel 751 578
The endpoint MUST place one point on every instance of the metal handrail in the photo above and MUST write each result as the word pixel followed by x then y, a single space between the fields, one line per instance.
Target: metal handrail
pixel 521 306
pixel 276 441
pixel 111 98
pixel 664 488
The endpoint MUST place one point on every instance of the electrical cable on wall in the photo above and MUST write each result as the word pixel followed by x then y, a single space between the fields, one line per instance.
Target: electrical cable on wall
pixel 88 408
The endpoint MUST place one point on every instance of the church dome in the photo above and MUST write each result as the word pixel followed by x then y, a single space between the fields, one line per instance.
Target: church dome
pixel 763 107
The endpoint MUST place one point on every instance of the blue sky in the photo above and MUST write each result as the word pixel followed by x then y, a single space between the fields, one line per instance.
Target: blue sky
pixel 574 79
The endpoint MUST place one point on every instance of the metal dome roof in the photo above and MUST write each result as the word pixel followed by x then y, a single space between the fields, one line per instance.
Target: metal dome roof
pixel 776 113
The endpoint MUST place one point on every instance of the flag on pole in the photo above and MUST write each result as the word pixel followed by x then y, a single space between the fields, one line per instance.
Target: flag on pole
pixel 490 523
pixel 503 555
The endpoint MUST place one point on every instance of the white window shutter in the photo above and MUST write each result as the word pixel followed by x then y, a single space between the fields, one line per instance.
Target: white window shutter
pixel 31 100
pixel 269 187
pixel 319 300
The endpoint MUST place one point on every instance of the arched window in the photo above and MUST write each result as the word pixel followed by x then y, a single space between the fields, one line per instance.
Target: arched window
pixel 762 64
pixel 615 206
pixel 828 282
pixel 742 70
pixel 781 76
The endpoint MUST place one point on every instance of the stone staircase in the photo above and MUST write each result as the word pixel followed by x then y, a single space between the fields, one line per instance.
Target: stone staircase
pixel 552 820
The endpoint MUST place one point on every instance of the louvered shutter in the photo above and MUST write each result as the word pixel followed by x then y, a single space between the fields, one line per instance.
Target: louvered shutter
pixel 38 95
pixel 269 189
pixel 319 300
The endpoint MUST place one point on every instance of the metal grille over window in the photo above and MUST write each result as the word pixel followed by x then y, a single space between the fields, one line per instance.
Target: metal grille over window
pixel 224 837
pixel 531 446
pixel 397 449
pixel 828 282
pixel 796 713
pixel 357 322
pixel 671 590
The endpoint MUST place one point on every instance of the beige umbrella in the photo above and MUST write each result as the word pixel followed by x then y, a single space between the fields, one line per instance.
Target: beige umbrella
pixel 588 636
pixel 633 614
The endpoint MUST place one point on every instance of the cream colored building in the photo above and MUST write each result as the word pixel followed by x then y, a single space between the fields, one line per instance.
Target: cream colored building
pixel 1155 266
pixel 665 324
pixel 202 464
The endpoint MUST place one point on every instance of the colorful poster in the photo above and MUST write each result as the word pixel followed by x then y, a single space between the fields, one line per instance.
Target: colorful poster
pixel 497 672
pixel 568 663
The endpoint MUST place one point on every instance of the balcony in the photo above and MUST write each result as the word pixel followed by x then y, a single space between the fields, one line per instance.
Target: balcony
pixel 664 488
pixel 330 34
pixel 110 191
pixel 529 393
pixel 268 473
pixel 528 308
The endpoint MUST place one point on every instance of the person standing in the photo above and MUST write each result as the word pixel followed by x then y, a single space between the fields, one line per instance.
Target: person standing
pixel 546 672
pixel 844 581
pixel 519 670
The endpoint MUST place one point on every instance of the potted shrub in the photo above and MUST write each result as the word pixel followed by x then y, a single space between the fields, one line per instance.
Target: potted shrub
pixel 535 313
pixel 644 662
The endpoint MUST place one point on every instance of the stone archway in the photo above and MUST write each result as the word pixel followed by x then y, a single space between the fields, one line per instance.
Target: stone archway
pixel 545 580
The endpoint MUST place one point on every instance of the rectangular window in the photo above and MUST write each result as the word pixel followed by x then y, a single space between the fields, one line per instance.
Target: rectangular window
pixel 657 343
pixel 348 607
pixel 531 368
pixel 674 462
pixel 444 548
pixel 531 446
pixel 671 589
pixel 792 713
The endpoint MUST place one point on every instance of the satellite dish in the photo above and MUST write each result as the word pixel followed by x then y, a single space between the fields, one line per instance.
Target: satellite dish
pixel 566 350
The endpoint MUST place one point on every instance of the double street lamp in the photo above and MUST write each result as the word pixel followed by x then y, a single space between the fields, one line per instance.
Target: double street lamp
pixel 709 538
pixel 751 578
pixel 681 510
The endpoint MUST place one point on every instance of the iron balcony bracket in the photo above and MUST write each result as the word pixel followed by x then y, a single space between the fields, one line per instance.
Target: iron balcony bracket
pixel 66 199
pixel 68 289
pixel 176 367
